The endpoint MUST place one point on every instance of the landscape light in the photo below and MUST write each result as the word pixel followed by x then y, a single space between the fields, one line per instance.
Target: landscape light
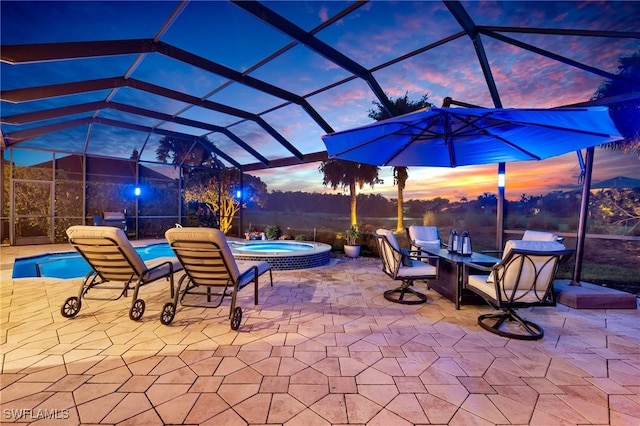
pixel 239 194
pixel 137 191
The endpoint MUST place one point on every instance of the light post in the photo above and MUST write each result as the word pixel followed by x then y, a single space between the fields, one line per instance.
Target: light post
pixel 500 207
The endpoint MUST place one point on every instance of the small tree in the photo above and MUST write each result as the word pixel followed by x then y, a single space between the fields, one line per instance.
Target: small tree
pixel 213 189
pixel 208 181
pixel 216 189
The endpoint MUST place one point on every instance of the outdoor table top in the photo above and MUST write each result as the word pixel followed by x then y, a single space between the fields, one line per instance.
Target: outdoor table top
pixel 475 257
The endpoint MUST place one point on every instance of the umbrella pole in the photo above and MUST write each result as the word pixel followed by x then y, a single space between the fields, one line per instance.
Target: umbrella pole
pixel 582 221
pixel 500 207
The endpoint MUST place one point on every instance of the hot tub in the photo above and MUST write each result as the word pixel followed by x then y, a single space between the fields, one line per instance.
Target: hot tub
pixel 283 255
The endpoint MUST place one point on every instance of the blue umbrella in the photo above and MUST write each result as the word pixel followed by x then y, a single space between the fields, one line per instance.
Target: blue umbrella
pixel 451 137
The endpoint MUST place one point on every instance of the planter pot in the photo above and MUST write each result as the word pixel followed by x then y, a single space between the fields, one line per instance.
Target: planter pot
pixel 352 251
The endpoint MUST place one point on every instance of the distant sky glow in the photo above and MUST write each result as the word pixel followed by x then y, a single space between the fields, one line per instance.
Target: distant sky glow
pixel 371 35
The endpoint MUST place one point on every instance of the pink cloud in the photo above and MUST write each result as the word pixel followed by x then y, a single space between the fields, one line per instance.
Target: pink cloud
pixel 323 14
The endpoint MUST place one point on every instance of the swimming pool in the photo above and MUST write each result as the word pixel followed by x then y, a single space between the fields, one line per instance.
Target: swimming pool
pixel 281 255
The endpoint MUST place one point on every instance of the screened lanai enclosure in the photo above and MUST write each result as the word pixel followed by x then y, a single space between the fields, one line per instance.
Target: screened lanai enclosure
pixel 120 106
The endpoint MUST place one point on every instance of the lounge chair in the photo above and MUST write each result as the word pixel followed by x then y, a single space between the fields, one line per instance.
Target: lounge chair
pixel 522 279
pixel 208 263
pixel 113 259
pixel 405 266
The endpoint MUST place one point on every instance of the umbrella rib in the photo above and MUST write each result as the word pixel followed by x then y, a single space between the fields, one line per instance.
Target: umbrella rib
pixel 368 141
pixel 485 130
pixel 549 126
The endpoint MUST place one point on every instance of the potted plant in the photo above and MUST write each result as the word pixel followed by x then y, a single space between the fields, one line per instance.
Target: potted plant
pixel 271 232
pixel 351 246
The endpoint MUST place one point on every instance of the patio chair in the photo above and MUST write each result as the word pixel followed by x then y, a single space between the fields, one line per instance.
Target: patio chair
pixel 405 266
pixel 423 237
pixel 113 260
pixel 522 279
pixel 209 264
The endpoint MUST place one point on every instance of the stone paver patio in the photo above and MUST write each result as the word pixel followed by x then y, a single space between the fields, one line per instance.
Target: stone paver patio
pixel 322 347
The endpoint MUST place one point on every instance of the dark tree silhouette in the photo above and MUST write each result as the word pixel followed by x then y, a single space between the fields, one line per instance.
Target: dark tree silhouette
pixel 347 174
pixel 625 113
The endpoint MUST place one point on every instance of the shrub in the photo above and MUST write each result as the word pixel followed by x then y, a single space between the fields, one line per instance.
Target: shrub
pixel 429 218
pixel 271 232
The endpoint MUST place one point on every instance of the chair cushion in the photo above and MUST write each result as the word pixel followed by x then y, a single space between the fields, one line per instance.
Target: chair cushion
pixel 244 265
pixel 198 235
pixel 423 233
pixel 535 245
pixel 529 288
pixel 406 259
pixel 163 270
pixel 417 269
pixel 433 245
pixel 101 235
pixel 539 236
pixel 391 258
pixel 391 237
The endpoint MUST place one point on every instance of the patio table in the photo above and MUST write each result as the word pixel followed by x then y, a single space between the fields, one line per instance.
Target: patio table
pixel 451 275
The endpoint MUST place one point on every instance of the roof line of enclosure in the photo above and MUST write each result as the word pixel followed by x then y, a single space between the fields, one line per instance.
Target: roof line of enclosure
pixel 490 31
pixel 30 117
pixel 33 93
pixel 19 58
pixel 460 14
pixel 290 29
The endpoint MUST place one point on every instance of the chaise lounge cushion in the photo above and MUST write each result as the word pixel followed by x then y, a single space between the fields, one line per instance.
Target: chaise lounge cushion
pixel 97 234
pixel 215 236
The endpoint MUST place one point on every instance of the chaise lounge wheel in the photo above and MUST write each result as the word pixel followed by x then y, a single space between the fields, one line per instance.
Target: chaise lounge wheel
pixel 137 309
pixel 71 307
pixel 236 318
pixel 168 313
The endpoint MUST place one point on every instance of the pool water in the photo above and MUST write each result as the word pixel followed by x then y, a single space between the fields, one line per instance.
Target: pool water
pixel 273 247
pixel 71 264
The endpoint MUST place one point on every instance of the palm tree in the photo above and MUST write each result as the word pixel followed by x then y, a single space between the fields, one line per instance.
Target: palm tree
pixel 347 174
pixel 402 105
pixel 625 113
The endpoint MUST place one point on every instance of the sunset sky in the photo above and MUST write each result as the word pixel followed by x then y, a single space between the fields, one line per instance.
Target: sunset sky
pixel 371 35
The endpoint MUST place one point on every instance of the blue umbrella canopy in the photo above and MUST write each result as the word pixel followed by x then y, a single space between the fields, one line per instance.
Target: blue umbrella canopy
pixel 451 137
